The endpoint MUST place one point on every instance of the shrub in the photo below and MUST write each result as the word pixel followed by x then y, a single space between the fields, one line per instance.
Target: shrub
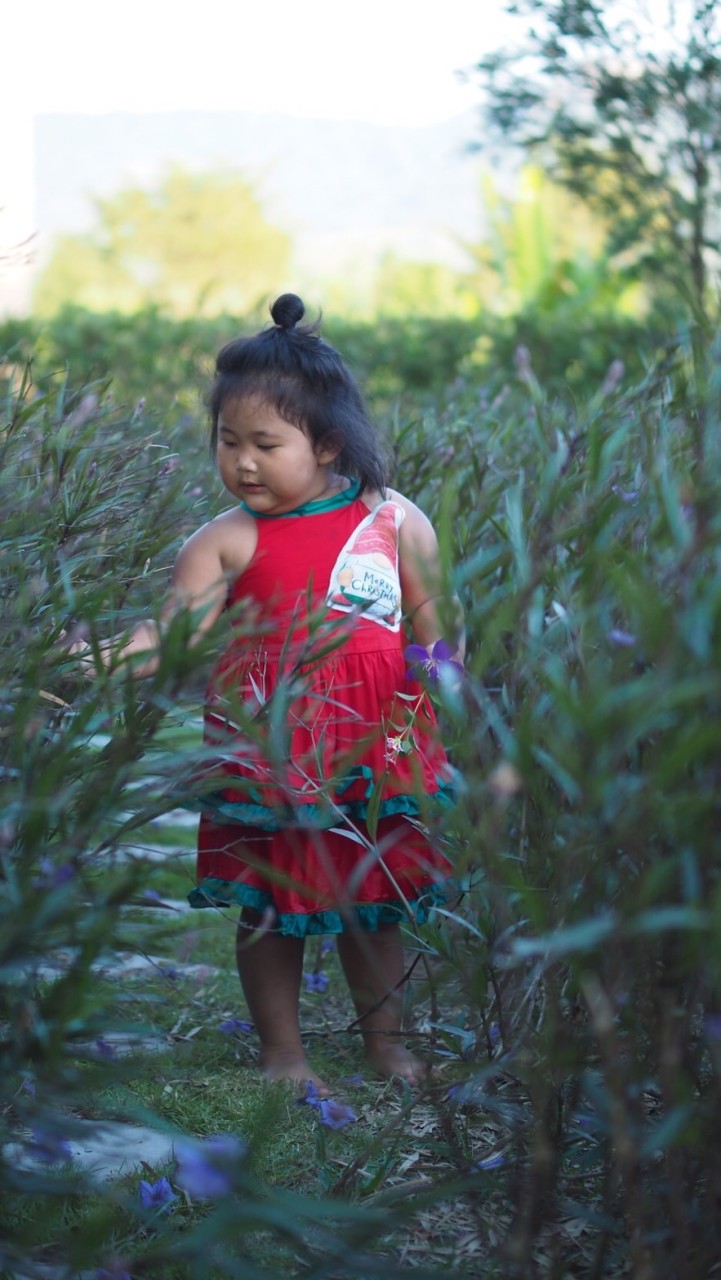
pixel 573 990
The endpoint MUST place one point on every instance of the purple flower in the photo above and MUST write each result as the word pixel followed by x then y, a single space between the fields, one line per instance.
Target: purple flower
pixel 317 982
pixel 151 895
pixel 28 1085
pixel 334 1115
pixel 432 665
pixel 49 1148
pixel 624 638
pixel 585 1121
pixel 204 1168
pixel 156 1195
pixel 355 1080
pixel 326 946
pixel 626 495
pixel 52 877
pixel 232 1026
pixel 490 1162
pixel 104 1049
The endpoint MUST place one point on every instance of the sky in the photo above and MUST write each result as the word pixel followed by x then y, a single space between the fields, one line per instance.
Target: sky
pixel 396 62
pixel 383 61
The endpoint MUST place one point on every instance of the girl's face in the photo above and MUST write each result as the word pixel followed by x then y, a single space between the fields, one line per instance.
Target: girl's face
pixel 267 462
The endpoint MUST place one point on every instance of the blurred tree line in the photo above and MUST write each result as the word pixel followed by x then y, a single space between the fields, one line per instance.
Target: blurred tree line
pixel 609 241
pixel 623 108
pixel 196 244
pixel 608 245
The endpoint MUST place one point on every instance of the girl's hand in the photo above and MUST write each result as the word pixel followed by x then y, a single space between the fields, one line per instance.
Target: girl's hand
pixel 80 649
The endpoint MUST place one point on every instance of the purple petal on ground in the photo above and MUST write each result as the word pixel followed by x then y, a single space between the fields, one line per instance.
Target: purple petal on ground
pixel 624 638
pixel 62 874
pixel 225 1146
pixel 50 1148
pixel 626 495
pixel 335 1115
pixel 104 1049
pixel 491 1162
pixel 316 982
pixel 52 877
pixel 326 946
pixel 203 1167
pixel 586 1121
pixel 156 1195
pixel 311 1094
pixel 202 1180
pixel 356 1079
pixel 232 1026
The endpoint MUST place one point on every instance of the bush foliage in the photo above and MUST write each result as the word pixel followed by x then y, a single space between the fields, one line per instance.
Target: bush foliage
pixel 149 355
pixel 572 997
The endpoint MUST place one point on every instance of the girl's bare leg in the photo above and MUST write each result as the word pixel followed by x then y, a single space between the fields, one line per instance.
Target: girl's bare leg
pixel 270 968
pixel 374 965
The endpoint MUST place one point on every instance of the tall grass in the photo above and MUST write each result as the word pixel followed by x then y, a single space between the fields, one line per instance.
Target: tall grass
pixel 572 993
pixel 586 953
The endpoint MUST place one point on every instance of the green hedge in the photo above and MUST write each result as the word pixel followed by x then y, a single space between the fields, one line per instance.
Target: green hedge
pixel 168 362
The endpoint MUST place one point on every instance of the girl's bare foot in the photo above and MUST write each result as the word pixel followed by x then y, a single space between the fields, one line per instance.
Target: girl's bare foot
pixel 391 1058
pixel 279 1065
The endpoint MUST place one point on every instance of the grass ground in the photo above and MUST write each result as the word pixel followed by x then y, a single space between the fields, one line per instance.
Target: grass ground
pixel 199 1077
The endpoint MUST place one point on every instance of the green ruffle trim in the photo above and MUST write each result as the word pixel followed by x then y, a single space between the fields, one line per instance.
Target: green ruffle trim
pixel 369 916
pixel 318 817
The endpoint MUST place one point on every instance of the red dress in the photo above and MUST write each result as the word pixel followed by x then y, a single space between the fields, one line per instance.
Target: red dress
pixel 328 776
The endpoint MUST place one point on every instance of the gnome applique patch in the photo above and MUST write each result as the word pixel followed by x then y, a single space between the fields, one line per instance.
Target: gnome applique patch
pixel 365 575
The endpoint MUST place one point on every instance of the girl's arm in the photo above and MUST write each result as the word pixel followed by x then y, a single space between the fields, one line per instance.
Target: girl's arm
pixel 425 603
pixel 198 584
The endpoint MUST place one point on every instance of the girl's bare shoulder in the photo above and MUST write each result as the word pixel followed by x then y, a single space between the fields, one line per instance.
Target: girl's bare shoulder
pixel 230 538
pixel 372 499
pixel 415 521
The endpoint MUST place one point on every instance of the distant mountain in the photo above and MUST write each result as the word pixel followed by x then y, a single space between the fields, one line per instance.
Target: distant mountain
pixel 340 189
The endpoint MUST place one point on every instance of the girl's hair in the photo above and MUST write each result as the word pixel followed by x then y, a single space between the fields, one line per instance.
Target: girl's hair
pixel 304 378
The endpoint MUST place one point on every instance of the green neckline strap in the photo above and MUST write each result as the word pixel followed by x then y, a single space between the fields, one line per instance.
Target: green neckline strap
pixel 213 892
pixel 315 508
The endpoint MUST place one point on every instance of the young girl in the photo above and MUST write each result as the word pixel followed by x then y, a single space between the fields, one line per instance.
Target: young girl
pixel 329 835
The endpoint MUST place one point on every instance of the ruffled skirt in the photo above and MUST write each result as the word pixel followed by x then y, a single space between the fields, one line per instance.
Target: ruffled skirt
pixel 327 787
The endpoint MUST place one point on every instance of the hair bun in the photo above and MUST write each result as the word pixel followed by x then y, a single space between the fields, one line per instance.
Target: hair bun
pixel 287 310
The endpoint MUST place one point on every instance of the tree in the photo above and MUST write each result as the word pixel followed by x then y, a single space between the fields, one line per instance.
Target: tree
pixel 626 112
pixel 408 287
pixel 197 244
pixel 544 249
